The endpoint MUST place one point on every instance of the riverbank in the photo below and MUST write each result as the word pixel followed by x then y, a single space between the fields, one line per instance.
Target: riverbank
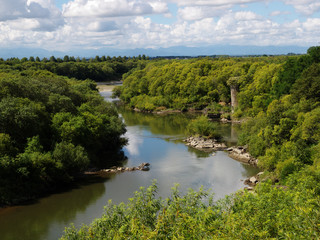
pixel 107 86
pixel 239 153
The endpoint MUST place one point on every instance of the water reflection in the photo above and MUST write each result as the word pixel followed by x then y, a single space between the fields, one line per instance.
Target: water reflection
pixel 198 153
pixel 163 125
pixel 135 142
pixel 49 215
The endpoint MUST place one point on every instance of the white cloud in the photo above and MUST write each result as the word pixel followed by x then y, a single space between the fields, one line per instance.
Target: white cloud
pixel 123 24
pixel 305 7
pixel 246 16
pixel 112 8
pixel 191 13
pixel 14 9
pixel 312 25
pixel 38 15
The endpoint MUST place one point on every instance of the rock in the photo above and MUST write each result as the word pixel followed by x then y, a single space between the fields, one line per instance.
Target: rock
pixel 249 188
pixel 145 168
pixel 219 146
pixel 240 154
pixel 142 165
pixel 253 180
pixel 205 144
pixel 224 120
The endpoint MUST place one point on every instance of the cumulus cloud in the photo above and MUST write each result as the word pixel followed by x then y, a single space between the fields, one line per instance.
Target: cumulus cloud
pixel 14 9
pixel 112 8
pixel 38 15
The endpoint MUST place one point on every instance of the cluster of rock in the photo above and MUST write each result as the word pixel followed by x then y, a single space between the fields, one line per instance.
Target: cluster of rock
pixel 252 181
pixel 205 144
pixel 141 167
pixel 241 154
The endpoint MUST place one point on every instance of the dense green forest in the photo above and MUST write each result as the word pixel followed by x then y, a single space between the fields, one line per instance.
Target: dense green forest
pixel 52 128
pixel 201 83
pixel 278 97
pixel 279 102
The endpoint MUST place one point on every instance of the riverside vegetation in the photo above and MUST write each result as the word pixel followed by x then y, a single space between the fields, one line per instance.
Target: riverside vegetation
pixel 45 142
pixel 279 98
pixel 53 127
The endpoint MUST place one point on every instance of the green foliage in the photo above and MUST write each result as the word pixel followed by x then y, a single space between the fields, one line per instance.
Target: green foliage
pixel 204 127
pixel 73 159
pixel 96 70
pixel 197 83
pixel 314 52
pixel 51 129
pixel 271 213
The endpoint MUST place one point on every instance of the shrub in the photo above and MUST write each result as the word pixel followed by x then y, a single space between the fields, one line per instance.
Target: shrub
pixel 204 127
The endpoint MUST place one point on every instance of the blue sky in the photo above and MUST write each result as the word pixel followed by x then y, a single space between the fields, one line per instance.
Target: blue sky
pixel 62 25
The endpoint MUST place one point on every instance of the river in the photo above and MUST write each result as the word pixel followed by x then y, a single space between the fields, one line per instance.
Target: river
pixel 152 138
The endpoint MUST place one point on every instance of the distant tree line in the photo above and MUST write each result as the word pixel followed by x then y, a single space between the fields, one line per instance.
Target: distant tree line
pixel 99 69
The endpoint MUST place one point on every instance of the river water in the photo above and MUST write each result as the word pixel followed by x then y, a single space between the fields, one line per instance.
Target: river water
pixel 152 138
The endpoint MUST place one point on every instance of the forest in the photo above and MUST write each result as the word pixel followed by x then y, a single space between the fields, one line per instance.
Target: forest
pixel 279 107
pixel 278 101
pixel 52 128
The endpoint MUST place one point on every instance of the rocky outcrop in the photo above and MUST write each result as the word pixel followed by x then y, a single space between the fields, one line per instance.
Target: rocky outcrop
pixel 252 181
pixel 242 155
pixel 141 167
pixel 205 144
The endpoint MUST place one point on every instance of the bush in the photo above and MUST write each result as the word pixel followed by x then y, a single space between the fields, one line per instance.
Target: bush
pixel 204 127
pixel 271 213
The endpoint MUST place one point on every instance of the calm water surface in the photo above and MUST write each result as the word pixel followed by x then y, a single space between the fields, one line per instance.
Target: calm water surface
pixel 152 138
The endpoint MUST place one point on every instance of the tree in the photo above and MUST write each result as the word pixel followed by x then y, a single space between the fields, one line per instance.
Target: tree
pixel 66 58
pixel 314 52
pixel 53 59
pixel 97 59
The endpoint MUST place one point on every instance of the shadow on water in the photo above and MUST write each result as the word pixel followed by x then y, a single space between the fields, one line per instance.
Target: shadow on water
pixel 38 219
pixel 159 124
pixel 198 153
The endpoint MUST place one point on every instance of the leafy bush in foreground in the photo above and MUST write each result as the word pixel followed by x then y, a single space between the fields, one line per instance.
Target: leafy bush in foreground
pixel 271 212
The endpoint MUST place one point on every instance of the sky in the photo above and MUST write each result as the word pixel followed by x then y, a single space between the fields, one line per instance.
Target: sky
pixel 62 25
